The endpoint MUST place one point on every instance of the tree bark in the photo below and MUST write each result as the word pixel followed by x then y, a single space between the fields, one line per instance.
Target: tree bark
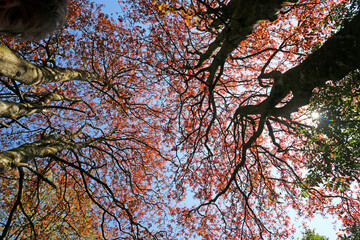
pixel 241 17
pixel 27 73
pixel 339 56
pixel 13 110
pixel 20 156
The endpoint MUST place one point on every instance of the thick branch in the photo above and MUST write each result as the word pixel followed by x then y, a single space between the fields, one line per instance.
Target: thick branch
pixel 50 145
pixel 243 16
pixel 17 202
pixel 339 56
pixel 13 110
pixel 27 73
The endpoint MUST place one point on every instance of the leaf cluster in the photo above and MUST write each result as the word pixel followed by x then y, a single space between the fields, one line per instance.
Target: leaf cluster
pixel 334 141
pixel 311 235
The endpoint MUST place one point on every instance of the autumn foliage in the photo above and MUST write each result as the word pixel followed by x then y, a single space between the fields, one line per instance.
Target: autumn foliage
pixel 180 119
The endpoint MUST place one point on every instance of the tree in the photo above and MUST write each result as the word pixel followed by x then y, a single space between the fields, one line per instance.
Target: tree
pixel 354 233
pixel 311 235
pixel 79 149
pixel 331 145
pixel 178 119
pixel 335 135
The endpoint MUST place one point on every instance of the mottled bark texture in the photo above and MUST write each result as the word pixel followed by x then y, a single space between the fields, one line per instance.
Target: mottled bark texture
pixel 27 73
pixel 49 145
pixel 13 110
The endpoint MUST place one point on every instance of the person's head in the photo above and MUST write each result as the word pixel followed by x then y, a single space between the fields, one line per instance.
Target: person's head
pixel 32 19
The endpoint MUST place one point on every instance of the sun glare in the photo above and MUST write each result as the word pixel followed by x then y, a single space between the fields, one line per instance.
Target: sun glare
pixel 315 115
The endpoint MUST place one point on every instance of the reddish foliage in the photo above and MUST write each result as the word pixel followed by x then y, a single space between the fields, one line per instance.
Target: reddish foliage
pixel 156 146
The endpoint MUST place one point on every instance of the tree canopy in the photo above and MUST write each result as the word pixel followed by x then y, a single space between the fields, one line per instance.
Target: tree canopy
pixel 311 235
pixel 182 119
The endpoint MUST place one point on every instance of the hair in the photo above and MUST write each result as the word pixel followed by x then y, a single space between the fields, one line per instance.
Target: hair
pixel 49 17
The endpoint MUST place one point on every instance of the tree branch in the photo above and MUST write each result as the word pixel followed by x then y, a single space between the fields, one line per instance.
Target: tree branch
pixel 339 56
pixel 16 203
pixel 27 73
